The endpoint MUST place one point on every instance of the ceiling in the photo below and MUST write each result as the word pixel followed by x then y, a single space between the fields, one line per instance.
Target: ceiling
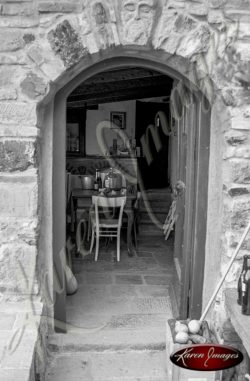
pixel 120 85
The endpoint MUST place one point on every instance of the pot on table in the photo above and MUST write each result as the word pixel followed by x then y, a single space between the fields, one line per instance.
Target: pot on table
pixel 113 180
pixel 87 181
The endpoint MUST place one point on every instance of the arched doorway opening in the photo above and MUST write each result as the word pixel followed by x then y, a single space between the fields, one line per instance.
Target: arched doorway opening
pixel 191 243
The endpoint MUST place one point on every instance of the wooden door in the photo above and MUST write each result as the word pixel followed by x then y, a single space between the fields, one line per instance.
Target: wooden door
pixel 180 193
pixel 201 168
pixel 192 124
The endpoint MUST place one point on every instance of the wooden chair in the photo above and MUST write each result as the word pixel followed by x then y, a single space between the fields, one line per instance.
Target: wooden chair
pixel 106 220
pixel 170 221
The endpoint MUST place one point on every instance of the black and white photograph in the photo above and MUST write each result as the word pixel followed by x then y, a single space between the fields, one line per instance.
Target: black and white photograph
pixel 124 190
pixel 118 120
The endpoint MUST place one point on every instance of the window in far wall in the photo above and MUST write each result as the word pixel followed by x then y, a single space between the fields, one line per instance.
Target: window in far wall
pixel 73 137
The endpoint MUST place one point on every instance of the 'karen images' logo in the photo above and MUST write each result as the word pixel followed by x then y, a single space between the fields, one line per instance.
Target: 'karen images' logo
pixel 207 357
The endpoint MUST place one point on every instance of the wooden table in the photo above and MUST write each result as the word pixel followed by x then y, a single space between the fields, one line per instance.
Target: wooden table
pixel 82 198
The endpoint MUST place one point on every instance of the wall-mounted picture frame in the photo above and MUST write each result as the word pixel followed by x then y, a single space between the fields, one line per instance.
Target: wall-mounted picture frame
pixel 118 119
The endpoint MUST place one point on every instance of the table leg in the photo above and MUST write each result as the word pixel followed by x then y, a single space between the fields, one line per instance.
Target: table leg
pixel 131 250
pixel 72 214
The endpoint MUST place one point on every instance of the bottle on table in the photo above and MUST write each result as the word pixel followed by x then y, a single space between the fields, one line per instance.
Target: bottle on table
pixel 99 179
pixel 245 306
pixel 96 186
pixel 240 281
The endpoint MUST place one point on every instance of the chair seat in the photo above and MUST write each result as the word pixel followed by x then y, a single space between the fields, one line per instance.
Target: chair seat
pixel 105 222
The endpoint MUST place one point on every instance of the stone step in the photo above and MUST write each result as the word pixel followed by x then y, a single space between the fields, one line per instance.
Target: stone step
pixel 100 332
pixel 145 217
pixel 115 340
pixel 109 366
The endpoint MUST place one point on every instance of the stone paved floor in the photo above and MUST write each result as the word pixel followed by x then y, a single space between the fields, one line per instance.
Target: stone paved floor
pixel 116 320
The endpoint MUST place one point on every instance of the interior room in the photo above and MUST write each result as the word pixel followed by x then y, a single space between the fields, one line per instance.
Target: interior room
pixel 133 158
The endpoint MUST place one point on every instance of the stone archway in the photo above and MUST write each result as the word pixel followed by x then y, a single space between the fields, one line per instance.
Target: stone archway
pixel 196 43
pixel 115 59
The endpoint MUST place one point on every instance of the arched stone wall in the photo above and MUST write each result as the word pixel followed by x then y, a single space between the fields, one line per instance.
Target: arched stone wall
pixel 46 44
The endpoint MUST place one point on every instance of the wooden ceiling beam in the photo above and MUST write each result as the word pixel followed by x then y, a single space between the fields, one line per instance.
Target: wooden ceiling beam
pixel 119 87
pixel 134 94
pixel 119 75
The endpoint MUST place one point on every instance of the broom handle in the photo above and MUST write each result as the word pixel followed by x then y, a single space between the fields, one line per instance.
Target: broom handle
pixel 225 274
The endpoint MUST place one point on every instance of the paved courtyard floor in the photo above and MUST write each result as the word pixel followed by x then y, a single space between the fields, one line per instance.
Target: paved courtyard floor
pixel 116 320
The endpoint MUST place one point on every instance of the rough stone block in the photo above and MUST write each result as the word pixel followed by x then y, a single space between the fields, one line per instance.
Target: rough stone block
pixel 8 76
pixel 17 199
pixel 172 27
pixel 215 16
pixel 18 113
pixel 235 138
pixel 11 40
pixel 51 66
pixel 195 43
pixel 237 4
pixel 240 214
pixel 19 131
pixel 238 191
pixel 8 94
pixel 241 172
pixel 29 38
pixel 243 48
pixel 36 54
pixel 197 9
pixel 19 22
pixel 232 97
pixel 216 3
pixel 244 31
pixel 17 155
pixel 234 239
pixel 17 268
pixel 240 118
pixel 16 9
pixel 19 230
pixel 242 152
pixel 66 43
pixel 59 6
pixel 33 86
pixel 12 58
pixel 176 4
